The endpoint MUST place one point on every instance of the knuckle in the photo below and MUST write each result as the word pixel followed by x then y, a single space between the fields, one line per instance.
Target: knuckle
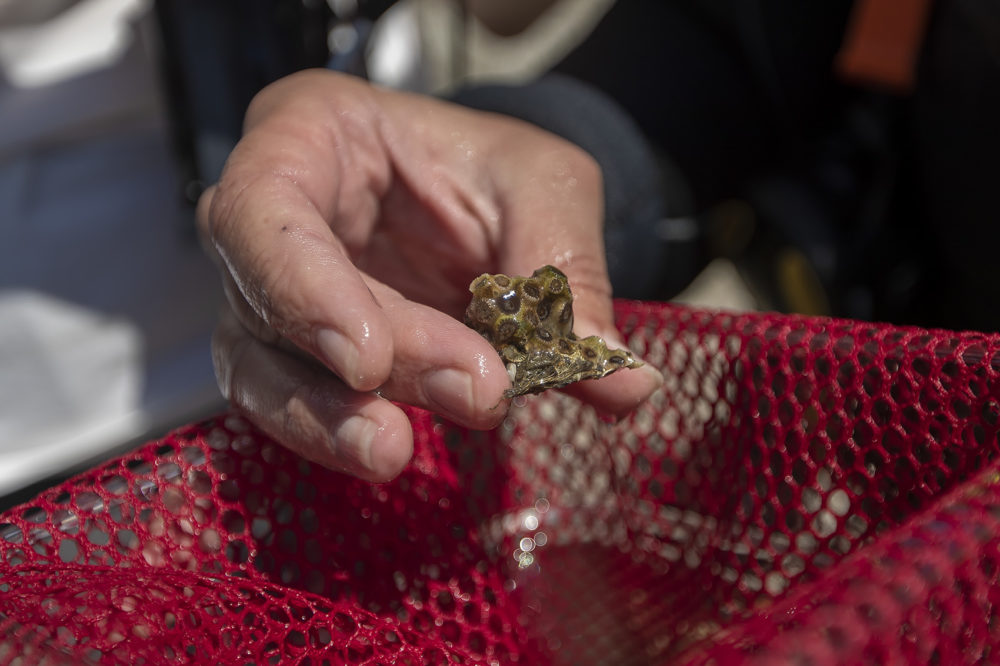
pixel 581 166
pixel 571 170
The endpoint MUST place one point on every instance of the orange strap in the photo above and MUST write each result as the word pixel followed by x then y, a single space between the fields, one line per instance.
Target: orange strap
pixel 883 42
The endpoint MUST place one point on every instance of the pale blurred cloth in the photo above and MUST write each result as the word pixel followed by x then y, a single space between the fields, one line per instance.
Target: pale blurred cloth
pixel 106 301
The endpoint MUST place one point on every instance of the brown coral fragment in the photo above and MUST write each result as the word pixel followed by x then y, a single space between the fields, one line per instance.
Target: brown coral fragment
pixel 529 321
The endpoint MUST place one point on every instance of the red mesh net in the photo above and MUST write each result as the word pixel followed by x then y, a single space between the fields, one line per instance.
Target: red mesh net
pixel 802 490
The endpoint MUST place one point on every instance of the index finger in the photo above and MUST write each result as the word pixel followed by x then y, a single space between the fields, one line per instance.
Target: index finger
pixel 268 221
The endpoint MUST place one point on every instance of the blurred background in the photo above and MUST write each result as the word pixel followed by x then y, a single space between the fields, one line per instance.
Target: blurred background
pixel 839 158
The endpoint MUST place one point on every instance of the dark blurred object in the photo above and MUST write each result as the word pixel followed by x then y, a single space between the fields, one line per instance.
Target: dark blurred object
pixel 882 44
pixel 834 198
pixel 217 54
pixel 952 125
pixel 895 214
pixel 728 88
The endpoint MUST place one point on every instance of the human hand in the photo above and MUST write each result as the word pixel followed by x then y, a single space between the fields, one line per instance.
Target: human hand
pixel 349 222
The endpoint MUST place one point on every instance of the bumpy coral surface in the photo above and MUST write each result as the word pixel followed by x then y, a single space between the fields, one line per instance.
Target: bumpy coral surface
pixel 529 321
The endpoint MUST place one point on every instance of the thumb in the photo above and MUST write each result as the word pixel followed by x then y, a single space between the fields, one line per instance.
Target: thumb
pixel 621 392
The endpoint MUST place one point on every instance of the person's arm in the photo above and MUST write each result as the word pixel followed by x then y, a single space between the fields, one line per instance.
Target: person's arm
pixel 349 222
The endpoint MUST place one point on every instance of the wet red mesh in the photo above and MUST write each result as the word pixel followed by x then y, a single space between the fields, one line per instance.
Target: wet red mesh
pixel 802 491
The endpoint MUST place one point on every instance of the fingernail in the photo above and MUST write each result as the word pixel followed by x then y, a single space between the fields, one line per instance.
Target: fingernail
pixel 352 443
pixel 653 373
pixel 450 392
pixel 339 352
